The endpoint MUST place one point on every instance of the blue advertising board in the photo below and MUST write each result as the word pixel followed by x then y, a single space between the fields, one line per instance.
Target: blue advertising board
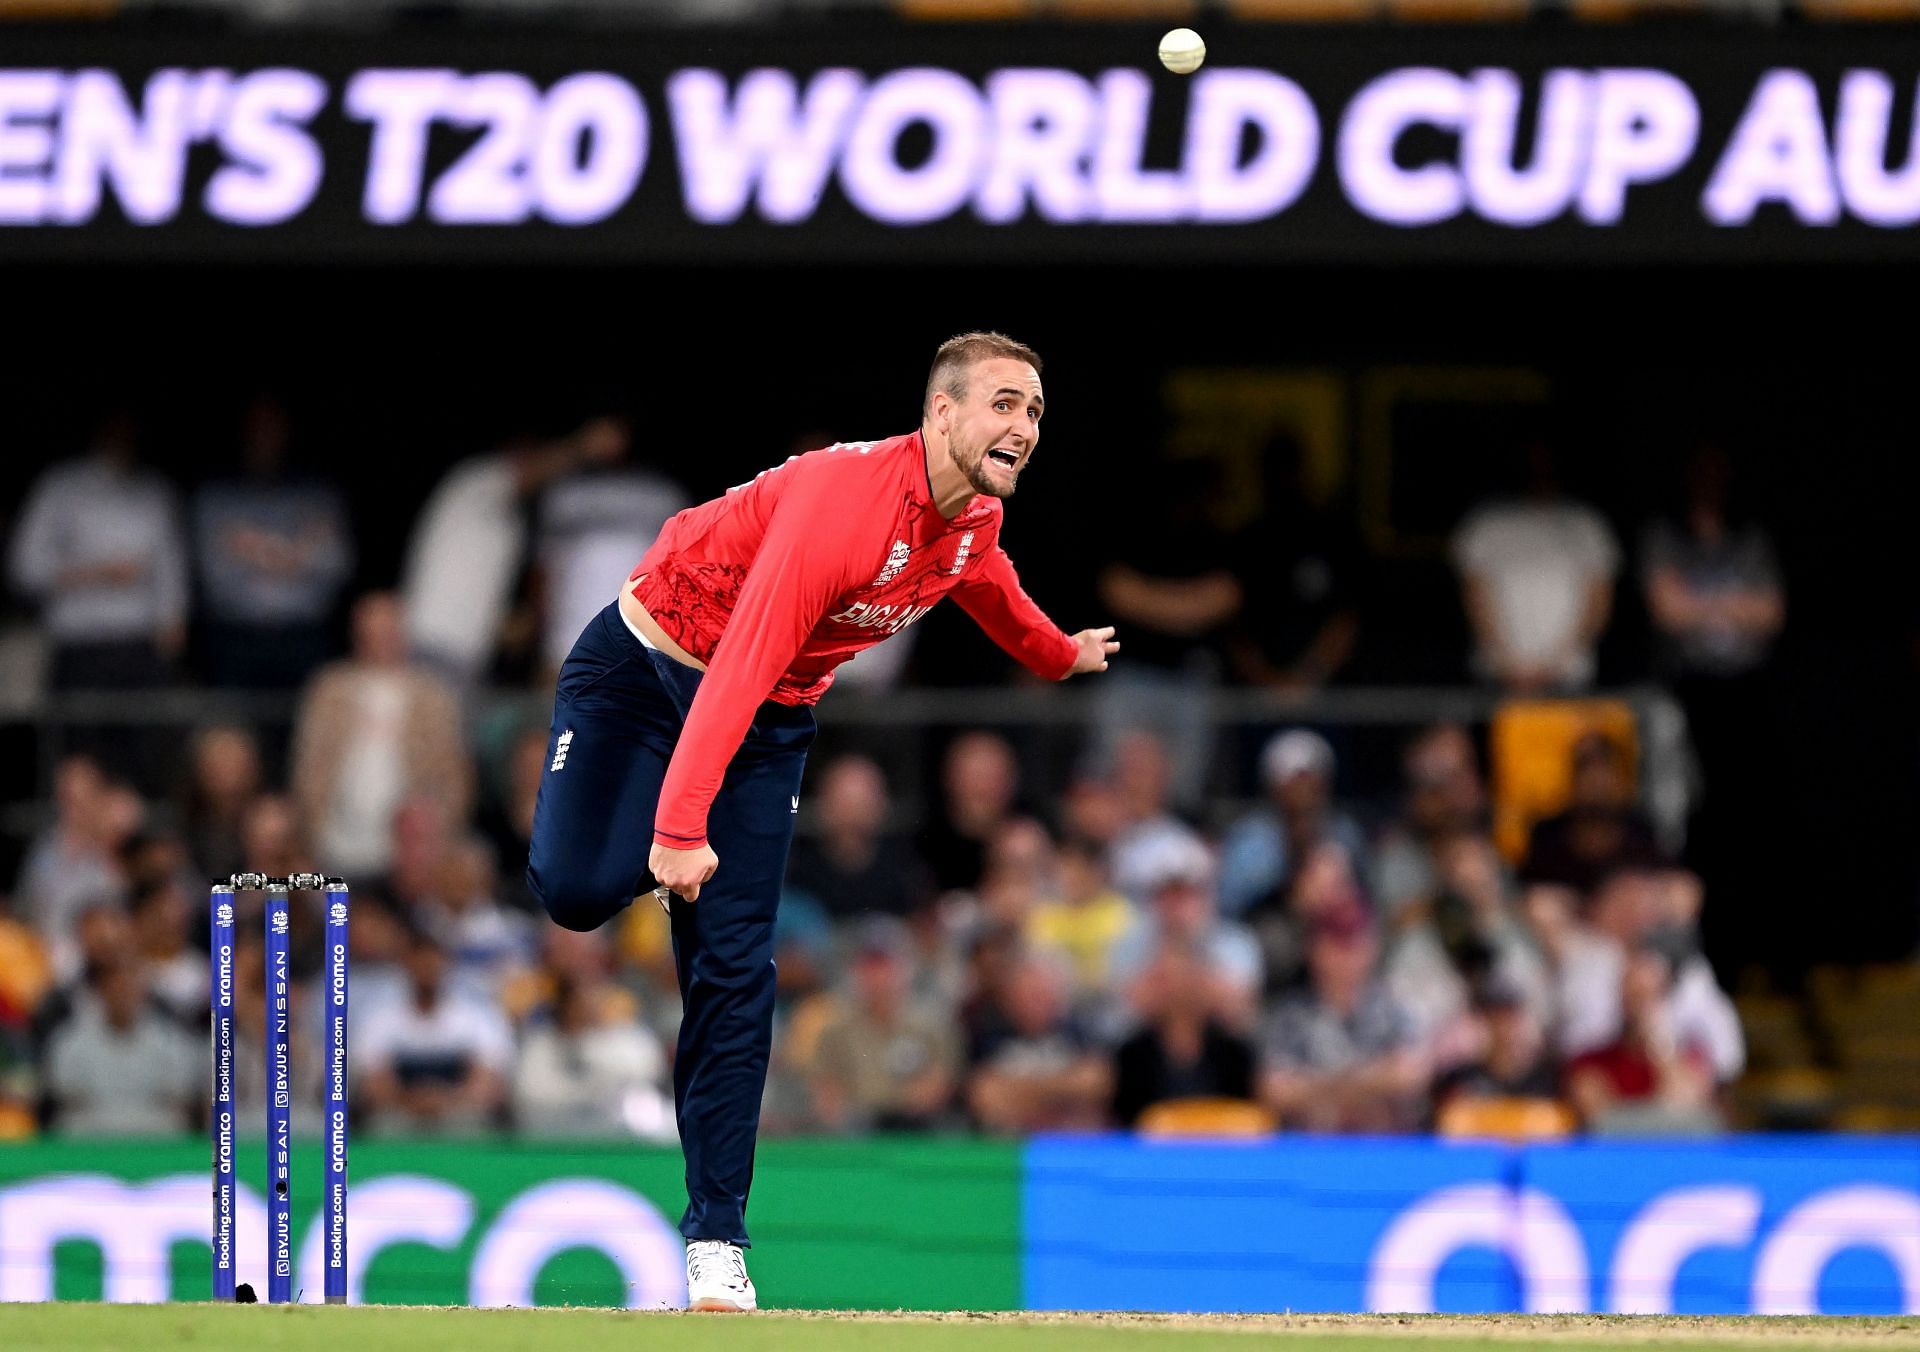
pixel 1768 1225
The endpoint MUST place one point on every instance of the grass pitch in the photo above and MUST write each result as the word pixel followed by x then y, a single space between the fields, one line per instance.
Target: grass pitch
pixel 259 1328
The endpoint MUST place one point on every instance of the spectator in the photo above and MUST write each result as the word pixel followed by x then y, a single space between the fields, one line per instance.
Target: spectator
pixel 1033 1067
pixel 1023 875
pixel 1650 1078
pixel 1512 1058
pixel 373 731
pixel 1537 578
pixel 272 840
pixel 1183 1050
pixel 584 1073
pixel 981 784
pixel 1174 595
pixel 1715 596
pixel 423 840
pixel 1325 881
pixel 225 780
pixel 1446 797
pixel 1600 830
pixel 593 523
pixel 1147 826
pixel 1469 935
pixel 120 1067
pixel 1640 908
pixel 1087 921
pixel 485 941
pixel 1583 970
pixel 434 1063
pixel 1263 848
pixel 102 935
pixel 99 546
pixel 1713 587
pixel 469 543
pixel 1182 913
pixel 76 861
pixel 273 549
pixel 851 864
pixel 176 974
pixel 1302 570
pixel 1343 1055
pixel 884 1064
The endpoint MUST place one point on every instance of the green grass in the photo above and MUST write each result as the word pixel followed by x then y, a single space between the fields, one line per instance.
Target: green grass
pixel 160 1328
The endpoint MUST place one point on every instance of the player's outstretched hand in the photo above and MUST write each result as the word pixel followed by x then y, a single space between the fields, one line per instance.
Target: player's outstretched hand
pixel 683 870
pixel 1096 646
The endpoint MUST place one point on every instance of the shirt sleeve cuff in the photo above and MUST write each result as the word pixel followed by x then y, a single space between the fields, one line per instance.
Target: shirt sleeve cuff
pixel 675 841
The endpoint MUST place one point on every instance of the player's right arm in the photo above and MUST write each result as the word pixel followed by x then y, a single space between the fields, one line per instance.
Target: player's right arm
pixel 808 558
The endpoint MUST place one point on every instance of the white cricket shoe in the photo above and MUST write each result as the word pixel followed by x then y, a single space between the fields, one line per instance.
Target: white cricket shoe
pixel 717 1277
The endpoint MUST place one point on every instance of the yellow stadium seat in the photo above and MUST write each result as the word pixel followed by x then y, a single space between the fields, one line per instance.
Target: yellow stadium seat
pixel 1531 747
pixel 16 1123
pixel 1206 1117
pixel 1507 1119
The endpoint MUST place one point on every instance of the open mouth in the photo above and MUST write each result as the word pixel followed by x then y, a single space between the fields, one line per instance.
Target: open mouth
pixel 1002 456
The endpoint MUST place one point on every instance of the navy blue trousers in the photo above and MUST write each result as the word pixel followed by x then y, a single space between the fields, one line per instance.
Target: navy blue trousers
pixel 617 714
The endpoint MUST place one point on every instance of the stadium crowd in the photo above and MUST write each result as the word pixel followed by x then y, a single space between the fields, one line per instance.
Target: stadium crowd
pixel 1107 951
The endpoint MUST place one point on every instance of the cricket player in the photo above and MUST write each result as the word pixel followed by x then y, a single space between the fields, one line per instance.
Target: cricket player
pixel 688 704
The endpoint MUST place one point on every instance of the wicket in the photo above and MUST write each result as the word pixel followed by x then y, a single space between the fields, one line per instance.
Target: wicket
pixel 279 1068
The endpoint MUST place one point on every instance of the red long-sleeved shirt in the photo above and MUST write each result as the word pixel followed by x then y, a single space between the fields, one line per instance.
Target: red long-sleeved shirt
pixel 775 583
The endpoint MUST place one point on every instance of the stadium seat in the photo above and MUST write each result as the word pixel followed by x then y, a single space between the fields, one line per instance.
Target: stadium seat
pixel 1531 745
pixel 16 1123
pixel 1220 1117
pixel 1507 1119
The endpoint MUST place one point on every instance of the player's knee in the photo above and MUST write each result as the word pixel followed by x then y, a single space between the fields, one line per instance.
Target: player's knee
pixel 577 902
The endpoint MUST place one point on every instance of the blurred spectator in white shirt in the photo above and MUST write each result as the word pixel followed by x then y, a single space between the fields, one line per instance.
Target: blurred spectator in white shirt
pixel 469 544
pixel 1537 577
pixel 99 545
pixel 592 526
pixel 583 1072
pixel 1262 849
pixel 373 731
pixel 273 550
pixel 120 1066
pixel 1467 935
pixel 1583 968
pixel 436 1061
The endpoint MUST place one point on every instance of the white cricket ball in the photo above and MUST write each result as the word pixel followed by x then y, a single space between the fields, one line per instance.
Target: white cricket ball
pixel 1182 51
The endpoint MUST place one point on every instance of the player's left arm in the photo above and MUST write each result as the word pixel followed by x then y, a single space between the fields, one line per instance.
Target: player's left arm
pixel 991 593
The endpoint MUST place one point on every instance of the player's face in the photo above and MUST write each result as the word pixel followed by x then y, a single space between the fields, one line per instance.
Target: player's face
pixel 995 429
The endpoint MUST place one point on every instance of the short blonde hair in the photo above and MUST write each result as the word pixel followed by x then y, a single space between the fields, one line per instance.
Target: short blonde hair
pixel 953 364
